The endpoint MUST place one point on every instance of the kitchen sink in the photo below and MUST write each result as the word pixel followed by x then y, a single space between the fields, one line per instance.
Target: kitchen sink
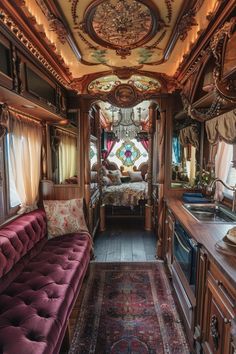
pixel 211 213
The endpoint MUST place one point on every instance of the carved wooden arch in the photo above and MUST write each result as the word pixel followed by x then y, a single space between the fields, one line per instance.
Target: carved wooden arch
pixel 168 84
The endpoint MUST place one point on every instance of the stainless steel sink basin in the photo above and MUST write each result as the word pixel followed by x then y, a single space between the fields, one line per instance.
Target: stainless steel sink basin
pixel 211 213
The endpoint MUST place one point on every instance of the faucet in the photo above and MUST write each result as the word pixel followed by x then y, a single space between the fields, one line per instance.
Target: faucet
pixel 231 188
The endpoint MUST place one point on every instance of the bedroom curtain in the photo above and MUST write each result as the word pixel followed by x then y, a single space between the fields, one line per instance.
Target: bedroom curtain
pixel 110 145
pixel 25 143
pixel 145 144
pixel 67 156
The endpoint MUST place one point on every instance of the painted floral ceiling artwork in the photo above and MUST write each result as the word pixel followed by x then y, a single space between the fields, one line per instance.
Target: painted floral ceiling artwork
pixel 87 37
pixel 140 82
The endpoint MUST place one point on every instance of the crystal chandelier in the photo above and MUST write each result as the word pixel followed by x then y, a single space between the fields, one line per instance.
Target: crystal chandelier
pixel 125 123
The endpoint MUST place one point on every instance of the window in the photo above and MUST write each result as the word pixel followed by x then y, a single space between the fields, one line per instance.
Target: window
pixel 14 199
pixel 231 176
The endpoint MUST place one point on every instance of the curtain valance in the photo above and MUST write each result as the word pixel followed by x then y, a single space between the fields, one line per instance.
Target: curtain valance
pixel 189 135
pixel 223 128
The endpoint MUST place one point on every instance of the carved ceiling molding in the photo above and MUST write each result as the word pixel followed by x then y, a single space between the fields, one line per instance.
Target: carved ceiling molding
pixel 55 23
pixel 224 90
pixel 121 25
pixel 188 20
pixel 168 84
pixel 8 22
pixel 227 87
pixel 84 29
pixel 124 96
pixel 169 9
pixel 186 23
pixel 202 34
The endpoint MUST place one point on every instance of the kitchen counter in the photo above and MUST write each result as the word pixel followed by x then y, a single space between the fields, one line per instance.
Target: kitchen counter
pixel 207 234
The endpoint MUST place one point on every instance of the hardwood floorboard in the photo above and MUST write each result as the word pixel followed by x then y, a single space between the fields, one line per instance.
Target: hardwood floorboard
pixel 125 240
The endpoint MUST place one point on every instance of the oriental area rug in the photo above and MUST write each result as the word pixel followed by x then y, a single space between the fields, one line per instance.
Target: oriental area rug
pixel 128 308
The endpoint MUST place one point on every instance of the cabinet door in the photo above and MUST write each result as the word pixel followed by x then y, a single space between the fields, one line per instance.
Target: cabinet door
pixel 200 297
pixel 169 232
pixel 217 336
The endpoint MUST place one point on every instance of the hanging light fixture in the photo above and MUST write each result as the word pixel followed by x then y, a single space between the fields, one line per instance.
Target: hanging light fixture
pixel 125 123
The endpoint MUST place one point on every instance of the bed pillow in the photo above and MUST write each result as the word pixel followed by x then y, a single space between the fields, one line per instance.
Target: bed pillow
pixel 64 216
pixel 136 176
pixel 106 181
pixel 115 179
pixel 125 179
pixel 94 176
pixel 115 172
pixel 104 171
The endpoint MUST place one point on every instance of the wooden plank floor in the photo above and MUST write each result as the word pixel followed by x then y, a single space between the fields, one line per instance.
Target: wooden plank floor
pixel 124 240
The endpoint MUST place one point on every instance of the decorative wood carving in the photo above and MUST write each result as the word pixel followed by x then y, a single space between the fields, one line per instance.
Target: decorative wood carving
pixel 56 24
pixel 224 90
pixel 227 87
pixel 120 24
pixel 4 120
pixel 7 21
pixel 214 331
pixel 187 22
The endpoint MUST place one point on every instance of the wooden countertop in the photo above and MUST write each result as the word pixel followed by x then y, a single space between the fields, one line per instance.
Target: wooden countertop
pixel 207 235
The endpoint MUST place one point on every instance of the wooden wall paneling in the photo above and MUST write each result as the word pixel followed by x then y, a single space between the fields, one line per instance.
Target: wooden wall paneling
pixel 161 128
pixel 148 206
pixel 6 79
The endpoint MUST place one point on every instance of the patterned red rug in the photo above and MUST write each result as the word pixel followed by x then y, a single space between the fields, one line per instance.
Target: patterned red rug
pixel 128 308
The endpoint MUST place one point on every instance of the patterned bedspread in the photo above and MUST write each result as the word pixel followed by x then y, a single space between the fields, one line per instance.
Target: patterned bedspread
pixel 126 194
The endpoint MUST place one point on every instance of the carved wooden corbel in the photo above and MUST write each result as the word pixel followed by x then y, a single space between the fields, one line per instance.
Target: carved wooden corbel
pixel 4 120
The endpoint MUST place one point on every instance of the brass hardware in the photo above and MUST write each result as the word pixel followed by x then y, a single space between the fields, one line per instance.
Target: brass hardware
pixel 181 243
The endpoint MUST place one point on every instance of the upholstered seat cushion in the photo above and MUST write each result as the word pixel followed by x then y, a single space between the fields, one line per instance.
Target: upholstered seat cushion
pixel 35 307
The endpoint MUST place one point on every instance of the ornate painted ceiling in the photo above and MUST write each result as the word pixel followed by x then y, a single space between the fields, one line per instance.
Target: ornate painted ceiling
pixel 100 37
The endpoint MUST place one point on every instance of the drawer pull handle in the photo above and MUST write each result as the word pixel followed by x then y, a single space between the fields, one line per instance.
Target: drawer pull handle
pixel 214 332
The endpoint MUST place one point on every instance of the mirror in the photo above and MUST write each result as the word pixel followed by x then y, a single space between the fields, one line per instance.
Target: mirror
pixel 64 156
pixel 93 154
pixel 187 146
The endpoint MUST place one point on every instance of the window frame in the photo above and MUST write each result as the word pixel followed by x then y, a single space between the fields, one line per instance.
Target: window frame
pixel 9 211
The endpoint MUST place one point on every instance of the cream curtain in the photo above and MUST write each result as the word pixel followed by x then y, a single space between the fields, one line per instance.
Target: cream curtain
pixel 222 163
pixel 25 143
pixel 191 164
pixel 222 128
pixel 189 135
pixel 67 156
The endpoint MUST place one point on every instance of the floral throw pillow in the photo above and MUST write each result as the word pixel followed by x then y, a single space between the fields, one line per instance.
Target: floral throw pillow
pixel 64 216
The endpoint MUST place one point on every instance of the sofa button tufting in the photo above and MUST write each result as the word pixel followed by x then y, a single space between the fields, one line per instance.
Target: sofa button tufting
pixel 33 336
pixel 42 313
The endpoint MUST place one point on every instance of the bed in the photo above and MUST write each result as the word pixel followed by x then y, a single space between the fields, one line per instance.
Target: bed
pixel 130 195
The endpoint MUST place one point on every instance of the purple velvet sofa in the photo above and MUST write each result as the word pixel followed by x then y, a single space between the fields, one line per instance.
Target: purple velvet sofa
pixel 39 282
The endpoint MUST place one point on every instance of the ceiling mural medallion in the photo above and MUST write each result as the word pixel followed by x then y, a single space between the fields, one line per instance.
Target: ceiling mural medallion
pixel 125 95
pixel 121 25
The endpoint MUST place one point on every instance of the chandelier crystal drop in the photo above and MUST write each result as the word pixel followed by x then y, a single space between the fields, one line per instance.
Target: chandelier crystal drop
pixel 125 123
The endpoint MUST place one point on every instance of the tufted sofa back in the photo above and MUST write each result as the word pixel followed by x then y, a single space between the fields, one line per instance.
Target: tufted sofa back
pixel 18 241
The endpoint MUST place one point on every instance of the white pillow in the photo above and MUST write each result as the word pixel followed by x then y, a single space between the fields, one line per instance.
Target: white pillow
pixel 115 172
pixel 135 176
